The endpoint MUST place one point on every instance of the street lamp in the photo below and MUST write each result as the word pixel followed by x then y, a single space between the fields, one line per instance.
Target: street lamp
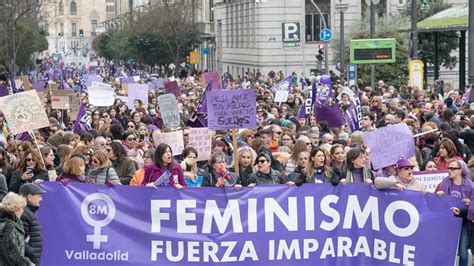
pixel 342 7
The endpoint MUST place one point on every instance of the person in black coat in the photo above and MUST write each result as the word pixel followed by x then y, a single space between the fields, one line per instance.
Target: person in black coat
pixel 31 169
pixel 34 247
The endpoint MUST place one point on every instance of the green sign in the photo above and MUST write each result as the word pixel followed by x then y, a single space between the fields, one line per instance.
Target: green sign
pixel 373 51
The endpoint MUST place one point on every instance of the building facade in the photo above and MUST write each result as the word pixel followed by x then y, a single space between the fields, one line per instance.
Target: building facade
pixel 73 25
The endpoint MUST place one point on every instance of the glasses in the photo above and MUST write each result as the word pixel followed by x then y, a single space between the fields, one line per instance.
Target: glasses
pixel 185 135
pixel 431 166
pixel 29 160
pixel 453 168
pixel 131 139
pixel 408 168
pixel 259 111
pixel 95 161
pixel 130 126
pixel 308 144
pixel 262 161
pixel 191 157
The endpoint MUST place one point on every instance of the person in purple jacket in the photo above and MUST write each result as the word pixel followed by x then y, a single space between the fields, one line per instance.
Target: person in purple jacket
pixel 459 186
pixel 165 172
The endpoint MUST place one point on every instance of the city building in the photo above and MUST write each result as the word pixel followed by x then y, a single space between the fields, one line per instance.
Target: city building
pixel 72 25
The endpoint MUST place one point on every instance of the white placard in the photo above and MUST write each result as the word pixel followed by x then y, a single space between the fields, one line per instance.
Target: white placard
pixel 201 140
pixel 101 95
pixel 281 96
pixel 430 179
pixel 169 110
pixel 174 139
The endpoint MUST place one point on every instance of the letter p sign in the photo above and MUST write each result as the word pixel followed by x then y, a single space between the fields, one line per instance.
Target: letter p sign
pixel 291 33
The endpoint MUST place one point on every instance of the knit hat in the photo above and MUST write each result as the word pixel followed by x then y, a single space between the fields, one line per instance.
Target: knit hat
pixel 55 140
pixel 265 155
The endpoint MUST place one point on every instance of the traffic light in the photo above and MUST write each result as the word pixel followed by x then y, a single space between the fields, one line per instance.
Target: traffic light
pixel 320 54
pixel 81 33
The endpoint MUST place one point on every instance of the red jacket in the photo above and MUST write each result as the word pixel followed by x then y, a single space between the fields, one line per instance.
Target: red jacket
pixel 153 172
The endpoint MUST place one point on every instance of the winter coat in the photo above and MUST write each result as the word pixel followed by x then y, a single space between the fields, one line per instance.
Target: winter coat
pixel 154 172
pixel 12 240
pixel 16 181
pixel 468 136
pixel 104 175
pixel 125 168
pixel 272 178
pixel 32 229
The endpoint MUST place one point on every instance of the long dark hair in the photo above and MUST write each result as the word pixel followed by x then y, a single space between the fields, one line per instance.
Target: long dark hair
pixel 160 150
pixel 352 154
pixel 118 150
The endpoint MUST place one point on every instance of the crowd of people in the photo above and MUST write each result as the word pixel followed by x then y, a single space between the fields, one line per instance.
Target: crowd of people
pixel 283 149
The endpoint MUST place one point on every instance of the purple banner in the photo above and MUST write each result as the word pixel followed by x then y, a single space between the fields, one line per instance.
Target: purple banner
pixel 466 95
pixel 329 113
pixel 389 144
pixel 283 85
pixel 172 87
pixel 3 90
pixel 353 115
pixel 231 109
pixel 213 77
pixel 273 225
pixel 324 91
pixel 307 106
pixel 83 121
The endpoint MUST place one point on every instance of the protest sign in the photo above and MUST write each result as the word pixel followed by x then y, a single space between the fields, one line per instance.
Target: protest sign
pixel 74 105
pixel 281 96
pixel 169 110
pixel 348 91
pixel 389 144
pixel 93 78
pixel 172 87
pixel 231 109
pixel 201 140
pixel 26 82
pixel 430 178
pixel 24 111
pixel 174 139
pixel 60 99
pixel 137 92
pixel 100 95
pixel 215 77
pixel 315 224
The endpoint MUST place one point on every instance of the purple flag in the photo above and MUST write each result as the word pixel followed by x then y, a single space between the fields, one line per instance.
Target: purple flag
pixel 353 115
pixel 303 81
pixel 324 91
pixel 83 121
pixel 202 108
pixel 21 136
pixel 283 85
pixel 329 113
pixel 314 224
pixel 3 90
pixel 467 94
pixel 307 106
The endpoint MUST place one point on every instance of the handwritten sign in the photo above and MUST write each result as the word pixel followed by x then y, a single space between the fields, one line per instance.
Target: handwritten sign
pixel 430 179
pixel 231 109
pixel 215 77
pixel 201 140
pixel 60 99
pixel 101 94
pixel 174 139
pixel 281 96
pixel 137 92
pixel 389 144
pixel 74 104
pixel 169 110
pixel 24 111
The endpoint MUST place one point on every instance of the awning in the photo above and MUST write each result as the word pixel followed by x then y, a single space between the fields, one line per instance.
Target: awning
pixel 455 18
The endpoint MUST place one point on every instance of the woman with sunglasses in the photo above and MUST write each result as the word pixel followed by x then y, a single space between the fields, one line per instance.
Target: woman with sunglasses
pixel 165 172
pixel 123 164
pixel 102 171
pixel 31 169
pixel 130 142
pixel 459 186
pixel 265 175
pixel 402 180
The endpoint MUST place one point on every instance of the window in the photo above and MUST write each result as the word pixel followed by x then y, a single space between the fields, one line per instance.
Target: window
pixel 61 8
pixel 211 10
pixel 94 28
pixel 314 25
pixel 73 29
pixel 61 29
pixel 73 8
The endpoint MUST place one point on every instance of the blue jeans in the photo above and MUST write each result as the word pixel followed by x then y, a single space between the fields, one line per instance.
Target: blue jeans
pixel 464 243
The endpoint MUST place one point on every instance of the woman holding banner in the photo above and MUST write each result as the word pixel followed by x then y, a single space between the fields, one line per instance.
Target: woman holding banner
pixel 402 180
pixel 459 186
pixel 357 171
pixel 216 174
pixel 338 159
pixel 165 172
pixel 317 170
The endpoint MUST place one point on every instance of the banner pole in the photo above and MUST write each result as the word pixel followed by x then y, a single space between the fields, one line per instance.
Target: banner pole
pixel 236 152
pixel 424 133
pixel 37 146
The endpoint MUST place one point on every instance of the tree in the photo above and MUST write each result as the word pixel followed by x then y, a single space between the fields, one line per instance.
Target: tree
pixel 392 73
pixel 14 14
pixel 448 41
